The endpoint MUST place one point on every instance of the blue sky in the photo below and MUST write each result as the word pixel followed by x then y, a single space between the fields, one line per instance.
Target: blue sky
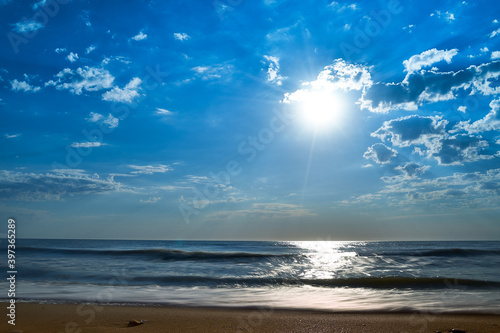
pixel 238 119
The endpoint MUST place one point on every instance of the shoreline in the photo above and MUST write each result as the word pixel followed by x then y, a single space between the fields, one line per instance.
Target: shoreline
pixel 244 308
pixel 88 317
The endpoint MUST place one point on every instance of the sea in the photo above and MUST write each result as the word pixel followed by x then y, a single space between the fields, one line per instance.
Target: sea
pixel 318 275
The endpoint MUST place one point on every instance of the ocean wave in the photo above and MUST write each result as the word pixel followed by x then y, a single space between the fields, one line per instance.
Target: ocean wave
pixel 450 252
pixel 454 252
pixel 359 282
pixel 159 253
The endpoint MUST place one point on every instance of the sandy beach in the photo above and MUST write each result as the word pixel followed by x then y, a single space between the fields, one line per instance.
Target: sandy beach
pixel 41 318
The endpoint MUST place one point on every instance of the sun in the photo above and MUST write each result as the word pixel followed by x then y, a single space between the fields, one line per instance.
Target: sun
pixel 321 109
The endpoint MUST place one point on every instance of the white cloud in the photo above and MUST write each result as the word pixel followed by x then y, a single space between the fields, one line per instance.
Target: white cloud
pixel 495 55
pixel 473 190
pixel 428 58
pixel 39 4
pixel 198 179
pixel 200 69
pixel 264 211
pixel 163 111
pixel 181 36
pixel 150 169
pixel 494 33
pixel 409 28
pixel 447 16
pixel 491 122
pixel 273 74
pixel 337 76
pixel 121 59
pixel 93 144
pixel 12 136
pixel 380 153
pixel 140 36
pixel 23 86
pixel 94 117
pixel 339 8
pixel 286 33
pixel 72 57
pixel 85 78
pixel 125 95
pixel 151 200
pixel 89 49
pixel 73 172
pixel 111 121
pixel 27 26
pixel 342 76
pixel 53 186
pixel 85 17
pixel 212 72
pixel 60 50
pixel 462 108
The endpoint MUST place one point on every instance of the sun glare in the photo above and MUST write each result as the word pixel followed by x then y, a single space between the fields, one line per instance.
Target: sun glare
pixel 321 110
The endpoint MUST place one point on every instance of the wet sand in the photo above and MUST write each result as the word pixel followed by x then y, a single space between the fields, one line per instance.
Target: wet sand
pixel 74 318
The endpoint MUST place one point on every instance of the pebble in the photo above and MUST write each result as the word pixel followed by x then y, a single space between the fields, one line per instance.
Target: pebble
pixel 457 331
pixel 135 323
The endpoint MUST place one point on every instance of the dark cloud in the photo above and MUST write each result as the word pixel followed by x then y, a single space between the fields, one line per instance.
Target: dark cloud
pixel 491 186
pixel 380 153
pixel 411 130
pixel 430 138
pixel 456 150
pixel 431 86
pixel 412 169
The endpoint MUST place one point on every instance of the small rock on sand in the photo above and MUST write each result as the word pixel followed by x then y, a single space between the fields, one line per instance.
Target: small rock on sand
pixel 135 323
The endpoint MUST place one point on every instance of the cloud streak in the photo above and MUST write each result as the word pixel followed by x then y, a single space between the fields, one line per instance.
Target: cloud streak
pixel 53 186
pixel 149 169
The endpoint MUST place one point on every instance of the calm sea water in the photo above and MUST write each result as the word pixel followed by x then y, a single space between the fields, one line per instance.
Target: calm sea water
pixel 340 276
